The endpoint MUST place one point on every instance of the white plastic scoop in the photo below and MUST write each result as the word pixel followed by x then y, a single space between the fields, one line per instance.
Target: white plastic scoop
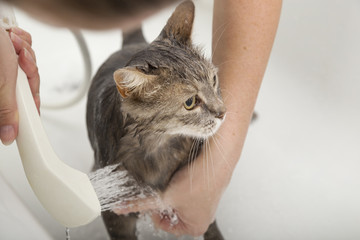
pixel 66 193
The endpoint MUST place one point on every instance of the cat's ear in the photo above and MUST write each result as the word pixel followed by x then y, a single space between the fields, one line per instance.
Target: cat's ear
pixel 179 25
pixel 130 80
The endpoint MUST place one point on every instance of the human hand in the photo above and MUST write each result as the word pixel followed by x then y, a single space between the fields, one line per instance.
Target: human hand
pixel 194 200
pixel 15 42
pixel 192 195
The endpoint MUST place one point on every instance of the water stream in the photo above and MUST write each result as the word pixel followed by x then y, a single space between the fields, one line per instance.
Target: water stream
pixel 116 189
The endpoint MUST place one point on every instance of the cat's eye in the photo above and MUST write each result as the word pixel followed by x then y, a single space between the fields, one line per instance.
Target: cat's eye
pixel 190 103
pixel 214 80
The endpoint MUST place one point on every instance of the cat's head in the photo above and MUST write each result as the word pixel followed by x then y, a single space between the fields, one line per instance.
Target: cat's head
pixel 170 86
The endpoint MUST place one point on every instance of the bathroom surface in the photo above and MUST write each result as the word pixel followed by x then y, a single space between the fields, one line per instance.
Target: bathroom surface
pixel 299 173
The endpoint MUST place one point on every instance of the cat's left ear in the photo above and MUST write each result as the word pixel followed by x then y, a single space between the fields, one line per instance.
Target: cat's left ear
pixel 131 80
pixel 179 25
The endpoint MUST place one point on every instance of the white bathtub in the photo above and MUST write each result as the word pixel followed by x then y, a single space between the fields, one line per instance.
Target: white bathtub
pixel 298 177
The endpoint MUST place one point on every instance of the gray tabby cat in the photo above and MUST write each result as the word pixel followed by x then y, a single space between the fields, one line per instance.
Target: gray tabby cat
pixel 165 98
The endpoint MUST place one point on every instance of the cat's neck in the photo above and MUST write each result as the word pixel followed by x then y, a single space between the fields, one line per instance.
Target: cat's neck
pixel 151 140
pixel 158 153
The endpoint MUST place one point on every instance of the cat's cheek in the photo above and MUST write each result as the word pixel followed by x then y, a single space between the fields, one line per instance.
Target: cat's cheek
pixel 217 124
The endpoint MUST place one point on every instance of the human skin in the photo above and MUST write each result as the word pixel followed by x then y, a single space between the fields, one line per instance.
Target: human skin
pixel 15 49
pixel 243 35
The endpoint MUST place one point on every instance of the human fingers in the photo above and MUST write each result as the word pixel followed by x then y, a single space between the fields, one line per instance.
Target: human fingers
pixel 193 201
pixel 20 43
pixel 8 113
pixel 179 226
pixel 8 75
pixel 22 34
pixel 28 65
pixel 27 60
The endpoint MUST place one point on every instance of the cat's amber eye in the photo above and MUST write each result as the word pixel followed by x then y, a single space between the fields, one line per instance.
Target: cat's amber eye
pixel 190 103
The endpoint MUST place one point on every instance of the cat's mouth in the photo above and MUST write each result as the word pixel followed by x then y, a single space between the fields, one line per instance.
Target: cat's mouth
pixel 209 128
pixel 212 126
pixel 202 131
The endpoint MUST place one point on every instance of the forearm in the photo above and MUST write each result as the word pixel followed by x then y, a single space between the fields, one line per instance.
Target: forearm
pixel 243 35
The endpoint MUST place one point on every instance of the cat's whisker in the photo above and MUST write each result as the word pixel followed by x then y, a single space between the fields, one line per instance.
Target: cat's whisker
pixel 190 160
pixel 232 61
pixel 226 98
pixel 224 26
pixel 191 152
pixel 219 135
pixel 192 156
pixel 227 92
pixel 220 27
pixel 207 164
pixel 204 161
pixel 201 141
pixel 231 112
pixel 212 164
pixel 219 142
pixel 221 149
pixel 226 95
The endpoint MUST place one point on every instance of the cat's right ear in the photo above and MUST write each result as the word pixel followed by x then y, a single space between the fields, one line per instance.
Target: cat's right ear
pixel 179 25
pixel 130 80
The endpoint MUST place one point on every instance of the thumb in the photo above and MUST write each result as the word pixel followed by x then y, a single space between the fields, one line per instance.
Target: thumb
pixel 8 113
pixel 8 75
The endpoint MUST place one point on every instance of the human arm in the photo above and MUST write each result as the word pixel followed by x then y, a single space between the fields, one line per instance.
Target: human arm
pixel 12 43
pixel 243 35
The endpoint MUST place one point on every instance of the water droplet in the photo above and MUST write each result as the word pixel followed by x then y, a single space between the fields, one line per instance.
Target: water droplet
pixel 67 233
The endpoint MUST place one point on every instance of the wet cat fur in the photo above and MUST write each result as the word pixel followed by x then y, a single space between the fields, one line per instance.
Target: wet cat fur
pixel 136 112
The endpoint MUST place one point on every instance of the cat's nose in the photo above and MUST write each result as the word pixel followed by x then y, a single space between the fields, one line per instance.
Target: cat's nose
pixel 220 115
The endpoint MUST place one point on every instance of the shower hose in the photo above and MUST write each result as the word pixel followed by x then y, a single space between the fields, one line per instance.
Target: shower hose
pixel 84 86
